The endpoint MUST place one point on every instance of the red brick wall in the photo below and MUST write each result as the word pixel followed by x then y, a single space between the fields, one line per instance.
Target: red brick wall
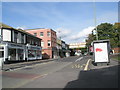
pixel 47 53
pixel 116 50
pixel 45 38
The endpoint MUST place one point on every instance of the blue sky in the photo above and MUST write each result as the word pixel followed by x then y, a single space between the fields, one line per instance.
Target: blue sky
pixel 74 20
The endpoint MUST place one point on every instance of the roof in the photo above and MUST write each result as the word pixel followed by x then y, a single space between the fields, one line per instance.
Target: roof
pixel 5 26
pixel 20 30
pixel 99 41
pixel 40 29
pixel 35 29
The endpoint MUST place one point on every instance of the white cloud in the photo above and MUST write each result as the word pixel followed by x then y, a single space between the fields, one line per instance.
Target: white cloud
pixel 84 33
pixel 62 32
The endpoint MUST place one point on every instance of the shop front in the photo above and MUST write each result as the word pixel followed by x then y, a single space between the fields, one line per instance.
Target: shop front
pixel 33 52
pixel 12 52
pixel 1 55
pixel 54 52
pixel 16 52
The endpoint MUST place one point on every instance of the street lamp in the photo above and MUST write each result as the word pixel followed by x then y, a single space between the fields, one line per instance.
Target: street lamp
pixel 95 20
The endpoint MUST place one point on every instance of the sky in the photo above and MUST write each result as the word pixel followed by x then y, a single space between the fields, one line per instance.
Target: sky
pixel 72 21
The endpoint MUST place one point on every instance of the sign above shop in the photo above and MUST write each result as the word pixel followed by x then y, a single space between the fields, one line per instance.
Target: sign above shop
pixel 11 45
pixel 34 47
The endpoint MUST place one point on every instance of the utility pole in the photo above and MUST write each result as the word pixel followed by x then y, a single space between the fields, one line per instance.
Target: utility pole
pixel 95 20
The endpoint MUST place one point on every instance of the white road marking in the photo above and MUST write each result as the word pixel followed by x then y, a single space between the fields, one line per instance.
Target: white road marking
pixel 79 59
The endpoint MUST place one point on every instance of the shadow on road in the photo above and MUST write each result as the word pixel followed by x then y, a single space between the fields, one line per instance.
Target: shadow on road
pixel 97 78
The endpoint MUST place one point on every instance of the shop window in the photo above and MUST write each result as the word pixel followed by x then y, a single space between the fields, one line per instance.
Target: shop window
pixel 20 54
pixel 12 54
pixel 31 53
pixel 38 53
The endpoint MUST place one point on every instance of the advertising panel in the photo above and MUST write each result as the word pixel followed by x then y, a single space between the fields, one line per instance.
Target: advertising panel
pixel 101 52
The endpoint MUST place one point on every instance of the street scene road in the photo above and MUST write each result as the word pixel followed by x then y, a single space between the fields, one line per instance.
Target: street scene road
pixel 59 44
pixel 71 72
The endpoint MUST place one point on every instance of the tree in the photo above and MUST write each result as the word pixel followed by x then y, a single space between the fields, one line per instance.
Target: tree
pixel 116 28
pixel 106 31
pixel 90 38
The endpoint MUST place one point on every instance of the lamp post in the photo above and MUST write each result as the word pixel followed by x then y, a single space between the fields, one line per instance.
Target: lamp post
pixel 95 21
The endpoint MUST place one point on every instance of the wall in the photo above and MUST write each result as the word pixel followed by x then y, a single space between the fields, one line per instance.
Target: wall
pixel 47 50
pixel 6 35
pixel 116 50
pixel 46 53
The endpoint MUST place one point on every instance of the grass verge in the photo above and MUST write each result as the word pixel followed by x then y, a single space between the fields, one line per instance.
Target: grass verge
pixel 116 57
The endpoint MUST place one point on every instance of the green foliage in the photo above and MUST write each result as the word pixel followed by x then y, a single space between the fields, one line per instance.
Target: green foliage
pixel 107 31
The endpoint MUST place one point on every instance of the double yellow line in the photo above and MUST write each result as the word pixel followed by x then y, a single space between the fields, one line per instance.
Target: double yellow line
pixel 87 64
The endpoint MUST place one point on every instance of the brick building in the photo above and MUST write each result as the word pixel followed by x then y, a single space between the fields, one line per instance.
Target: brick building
pixel 48 42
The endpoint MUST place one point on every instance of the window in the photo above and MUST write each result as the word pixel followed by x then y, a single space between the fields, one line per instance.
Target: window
pixel 35 34
pixel 11 54
pixel 48 34
pixel 41 34
pixel 31 53
pixel 49 43
pixel 15 37
pixel 42 43
pixel 22 38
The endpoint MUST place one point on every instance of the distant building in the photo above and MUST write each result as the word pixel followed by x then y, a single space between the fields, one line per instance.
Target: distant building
pixel 59 48
pixel 48 43
pixel 63 49
pixel 77 45
pixel 17 45
pixel 67 54
pixel 77 48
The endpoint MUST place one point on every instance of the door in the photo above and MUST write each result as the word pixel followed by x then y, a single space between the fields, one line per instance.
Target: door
pixel 1 57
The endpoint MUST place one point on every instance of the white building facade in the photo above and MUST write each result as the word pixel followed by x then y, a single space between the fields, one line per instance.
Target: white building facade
pixel 18 45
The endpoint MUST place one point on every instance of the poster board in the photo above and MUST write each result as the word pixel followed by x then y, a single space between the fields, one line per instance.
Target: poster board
pixel 101 51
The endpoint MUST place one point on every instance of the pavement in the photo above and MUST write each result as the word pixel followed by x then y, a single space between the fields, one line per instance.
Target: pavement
pixel 19 65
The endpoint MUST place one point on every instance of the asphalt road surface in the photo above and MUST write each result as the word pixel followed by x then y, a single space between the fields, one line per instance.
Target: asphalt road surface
pixel 63 73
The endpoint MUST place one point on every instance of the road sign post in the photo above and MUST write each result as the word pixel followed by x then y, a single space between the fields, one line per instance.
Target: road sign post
pixel 101 50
